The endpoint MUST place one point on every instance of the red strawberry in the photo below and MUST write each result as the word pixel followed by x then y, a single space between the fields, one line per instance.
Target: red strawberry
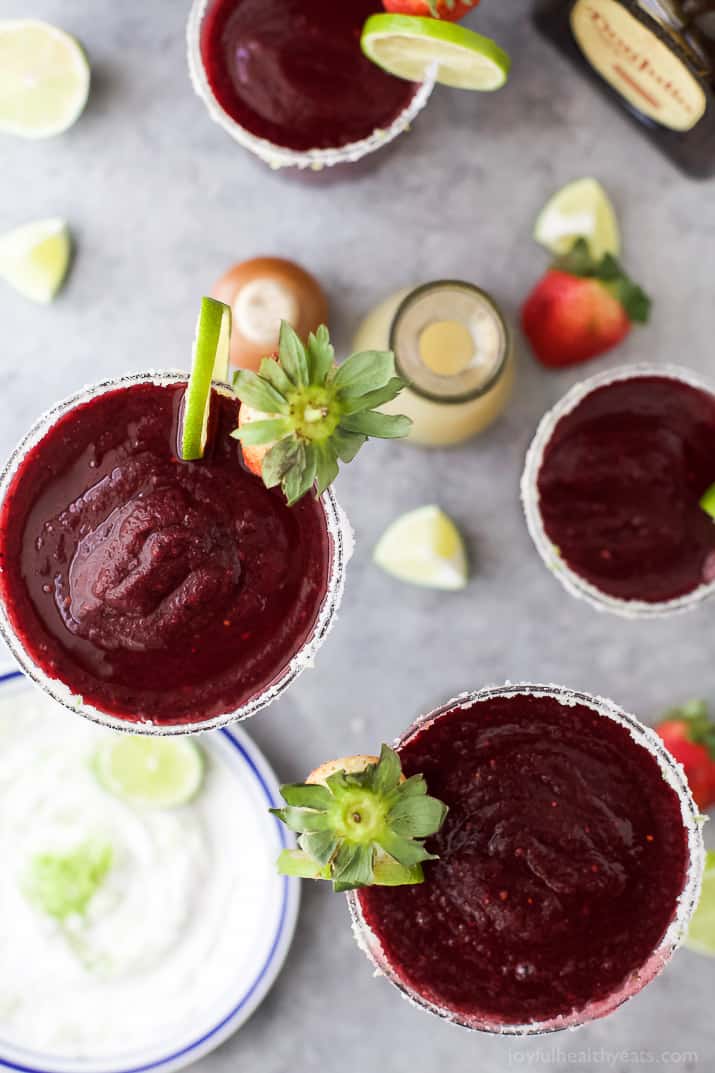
pixel 451 10
pixel 689 735
pixel 301 414
pixel 253 454
pixel 581 308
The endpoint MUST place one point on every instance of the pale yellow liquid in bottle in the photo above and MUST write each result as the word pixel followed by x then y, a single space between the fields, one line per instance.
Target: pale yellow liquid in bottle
pixel 446 347
pixel 460 370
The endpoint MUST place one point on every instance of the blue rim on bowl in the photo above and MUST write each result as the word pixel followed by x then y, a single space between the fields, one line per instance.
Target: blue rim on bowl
pixel 236 744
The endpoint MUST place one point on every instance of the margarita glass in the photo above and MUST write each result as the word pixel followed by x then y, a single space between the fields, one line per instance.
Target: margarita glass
pixel 612 486
pixel 144 626
pixel 568 866
pixel 288 80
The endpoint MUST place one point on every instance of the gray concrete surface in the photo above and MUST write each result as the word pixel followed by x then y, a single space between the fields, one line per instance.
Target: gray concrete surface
pixel 160 201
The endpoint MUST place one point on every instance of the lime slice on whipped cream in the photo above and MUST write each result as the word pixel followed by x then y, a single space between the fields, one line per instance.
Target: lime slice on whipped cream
pixel 34 258
pixel 160 772
pixel 581 209
pixel 701 934
pixel 411 47
pixel 210 362
pixel 44 78
pixel 424 547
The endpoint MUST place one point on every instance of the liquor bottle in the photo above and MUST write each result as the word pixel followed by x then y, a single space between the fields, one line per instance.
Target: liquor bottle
pixel 655 58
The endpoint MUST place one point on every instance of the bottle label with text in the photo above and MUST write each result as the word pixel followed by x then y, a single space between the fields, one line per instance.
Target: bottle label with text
pixel 644 70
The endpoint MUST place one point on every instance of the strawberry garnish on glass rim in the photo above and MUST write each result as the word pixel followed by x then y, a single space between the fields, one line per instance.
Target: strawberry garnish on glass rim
pixel 360 823
pixel 452 10
pixel 301 414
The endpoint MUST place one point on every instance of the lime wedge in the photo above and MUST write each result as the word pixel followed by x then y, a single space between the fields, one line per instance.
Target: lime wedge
pixel 34 258
pixel 707 501
pixel 425 548
pixel 701 935
pixel 164 772
pixel 581 209
pixel 210 362
pixel 410 46
pixel 44 78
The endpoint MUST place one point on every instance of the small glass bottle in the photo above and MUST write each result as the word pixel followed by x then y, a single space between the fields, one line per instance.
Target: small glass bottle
pixel 453 347
pixel 656 58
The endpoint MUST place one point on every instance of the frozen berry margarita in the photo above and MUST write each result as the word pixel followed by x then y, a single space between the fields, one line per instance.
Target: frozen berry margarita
pixel 612 490
pixel 153 570
pixel 153 588
pixel 289 80
pixel 565 871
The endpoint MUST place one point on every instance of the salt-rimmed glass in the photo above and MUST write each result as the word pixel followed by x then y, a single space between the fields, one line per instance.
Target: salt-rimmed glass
pixel 673 775
pixel 280 156
pixel 573 582
pixel 340 541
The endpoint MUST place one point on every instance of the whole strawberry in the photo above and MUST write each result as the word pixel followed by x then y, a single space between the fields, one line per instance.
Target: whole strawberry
pixel 581 308
pixel 689 735
pixel 451 10
pixel 301 414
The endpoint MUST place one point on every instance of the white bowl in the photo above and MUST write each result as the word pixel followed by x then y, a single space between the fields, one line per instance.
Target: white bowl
pixel 273 927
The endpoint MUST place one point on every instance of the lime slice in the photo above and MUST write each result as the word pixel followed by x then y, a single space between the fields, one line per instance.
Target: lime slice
pixel 701 935
pixel 44 78
pixel 424 547
pixel 387 871
pixel 163 772
pixel 210 362
pixel 34 258
pixel 581 209
pixel 410 47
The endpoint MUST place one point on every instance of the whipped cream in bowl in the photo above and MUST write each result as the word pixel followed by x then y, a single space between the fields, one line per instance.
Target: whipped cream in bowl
pixel 187 924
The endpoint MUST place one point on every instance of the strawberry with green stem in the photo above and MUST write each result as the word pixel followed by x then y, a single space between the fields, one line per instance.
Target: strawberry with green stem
pixel 451 10
pixel 581 308
pixel 360 824
pixel 301 414
pixel 688 733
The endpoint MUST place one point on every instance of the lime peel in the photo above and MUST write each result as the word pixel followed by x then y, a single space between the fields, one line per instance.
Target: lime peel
pixel 424 547
pixel 212 346
pixel 158 772
pixel 414 48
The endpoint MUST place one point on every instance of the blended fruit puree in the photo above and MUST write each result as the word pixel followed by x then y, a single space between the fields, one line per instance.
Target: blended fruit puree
pixel 155 588
pixel 560 862
pixel 620 486
pixel 292 71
